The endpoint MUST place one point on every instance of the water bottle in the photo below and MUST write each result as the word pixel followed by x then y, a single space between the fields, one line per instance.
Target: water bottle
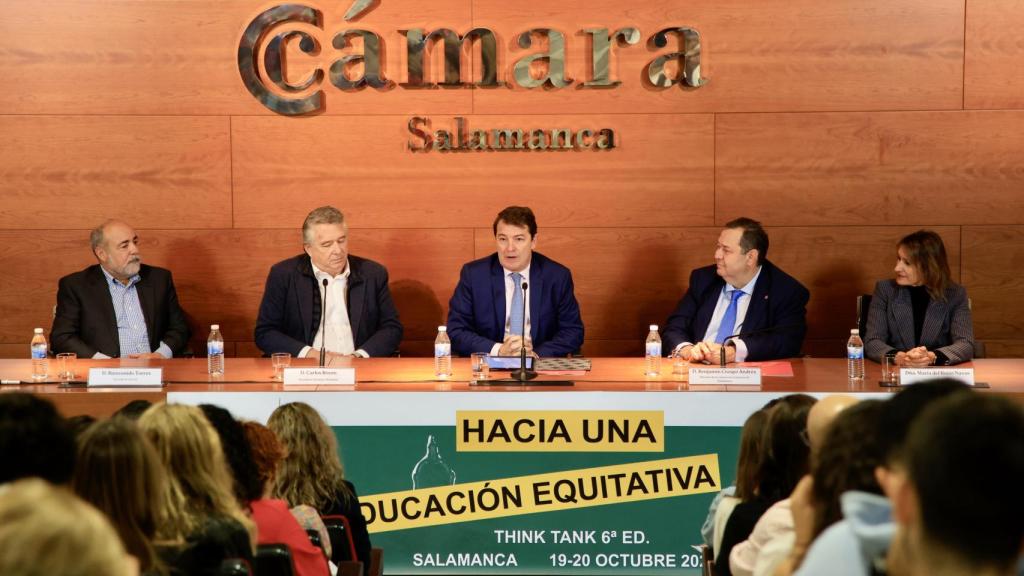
pixel 855 356
pixel 40 363
pixel 215 352
pixel 653 352
pixel 442 353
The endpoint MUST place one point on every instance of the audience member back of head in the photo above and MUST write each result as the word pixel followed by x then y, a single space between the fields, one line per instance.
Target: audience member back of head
pixel 34 440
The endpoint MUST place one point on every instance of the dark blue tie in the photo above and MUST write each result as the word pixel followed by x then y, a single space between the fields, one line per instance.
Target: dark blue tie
pixel 729 320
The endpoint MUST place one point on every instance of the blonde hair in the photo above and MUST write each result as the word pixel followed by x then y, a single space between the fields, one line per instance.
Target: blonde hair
pixel 198 479
pixel 119 473
pixel 312 472
pixel 45 530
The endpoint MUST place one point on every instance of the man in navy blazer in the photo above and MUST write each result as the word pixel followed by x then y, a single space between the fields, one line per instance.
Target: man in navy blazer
pixel 742 293
pixel 361 318
pixel 485 312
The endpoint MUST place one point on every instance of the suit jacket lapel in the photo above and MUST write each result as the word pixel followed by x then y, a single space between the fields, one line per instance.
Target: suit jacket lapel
pixel 306 294
pixel 757 308
pixel 536 292
pixel 707 307
pixel 498 293
pixel 147 302
pixel 903 314
pixel 933 322
pixel 108 340
pixel 356 297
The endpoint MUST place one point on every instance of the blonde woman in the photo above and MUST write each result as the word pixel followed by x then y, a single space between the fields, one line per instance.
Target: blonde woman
pixel 46 531
pixel 312 472
pixel 200 505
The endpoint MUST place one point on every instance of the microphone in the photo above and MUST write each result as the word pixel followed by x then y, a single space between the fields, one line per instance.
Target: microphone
pixel 767 330
pixel 323 327
pixel 523 373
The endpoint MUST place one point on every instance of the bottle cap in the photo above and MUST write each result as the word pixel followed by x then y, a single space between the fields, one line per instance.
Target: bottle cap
pixel 855 331
pixel 654 327
pixel 214 326
pixel 442 328
pixel 38 331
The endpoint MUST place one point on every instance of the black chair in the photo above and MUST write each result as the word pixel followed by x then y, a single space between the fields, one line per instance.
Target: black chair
pixel 343 549
pixel 234 567
pixel 274 560
pixel 864 304
pixel 314 537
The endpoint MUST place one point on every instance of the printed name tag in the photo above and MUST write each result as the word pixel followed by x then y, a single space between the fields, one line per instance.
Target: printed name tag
pixel 320 376
pixel 126 377
pixel 741 376
pixel 910 376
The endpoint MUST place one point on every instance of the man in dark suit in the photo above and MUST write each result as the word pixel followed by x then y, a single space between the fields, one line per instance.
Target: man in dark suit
pixel 742 293
pixel 361 318
pixel 486 314
pixel 119 307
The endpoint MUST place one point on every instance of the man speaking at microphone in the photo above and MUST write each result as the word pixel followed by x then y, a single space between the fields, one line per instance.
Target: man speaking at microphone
pixel 359 318
pixel 744 294
pixel 486 312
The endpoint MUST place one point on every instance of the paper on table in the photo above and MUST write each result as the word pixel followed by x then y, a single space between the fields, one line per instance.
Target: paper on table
pixel 780 368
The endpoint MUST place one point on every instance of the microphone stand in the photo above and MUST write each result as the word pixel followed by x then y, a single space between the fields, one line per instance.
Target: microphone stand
pixel 323 326
pixel 524 374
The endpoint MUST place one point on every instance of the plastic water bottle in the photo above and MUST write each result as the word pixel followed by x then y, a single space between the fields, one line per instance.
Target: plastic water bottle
pixel 855 356
pixel 442 353
pixel 215 352
pixel 40 363
pixel 652 352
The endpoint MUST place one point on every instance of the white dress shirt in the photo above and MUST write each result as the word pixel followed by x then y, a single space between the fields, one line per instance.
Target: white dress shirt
pixel 337 329
pixel 509 287
pixel 724 298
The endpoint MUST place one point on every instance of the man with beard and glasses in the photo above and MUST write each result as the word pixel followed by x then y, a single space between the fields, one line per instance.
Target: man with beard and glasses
pixel 118 307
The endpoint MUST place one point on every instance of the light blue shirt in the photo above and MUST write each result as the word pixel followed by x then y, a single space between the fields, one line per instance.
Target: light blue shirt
pixel 132 335
pixel 741 313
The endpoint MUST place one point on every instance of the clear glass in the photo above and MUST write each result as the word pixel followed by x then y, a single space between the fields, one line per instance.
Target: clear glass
pixel 66 365
pixel 478 365
pixel 280 361
pixel 890 371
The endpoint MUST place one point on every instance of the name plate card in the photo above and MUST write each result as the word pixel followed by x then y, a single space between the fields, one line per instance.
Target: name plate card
pixel 126 377
pixel 910 376
pixel 730 376
pixel 320 376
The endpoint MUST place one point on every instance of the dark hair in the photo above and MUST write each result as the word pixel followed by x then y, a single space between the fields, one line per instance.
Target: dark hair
pixel 267 451
pixel 34 440
pixel 79 424
pixel 900 411
pixel 753 238
pixel 133 409
pixel 119 472
pixel 927 253
pixel 751 456
pixel 238 453
pixel 847 459
pixel 786 459
pixel 517 216
pixel 965 459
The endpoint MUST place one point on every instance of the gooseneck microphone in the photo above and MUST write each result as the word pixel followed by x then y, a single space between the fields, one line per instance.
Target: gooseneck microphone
pixel 323 327
pixel 524 374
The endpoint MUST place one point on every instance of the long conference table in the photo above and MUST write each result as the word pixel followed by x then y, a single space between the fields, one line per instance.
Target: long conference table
pixel 456 478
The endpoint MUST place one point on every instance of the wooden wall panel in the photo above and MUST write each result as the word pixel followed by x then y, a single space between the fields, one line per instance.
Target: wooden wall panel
pixel 992 262
pixel 76 171
pixel 801 55
pixel 180 57
pixel 994 56
pixel 660 176
pixel 927 168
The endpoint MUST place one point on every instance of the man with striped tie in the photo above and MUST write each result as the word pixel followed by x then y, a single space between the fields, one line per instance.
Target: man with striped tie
pixel 486 312
pixel 741 294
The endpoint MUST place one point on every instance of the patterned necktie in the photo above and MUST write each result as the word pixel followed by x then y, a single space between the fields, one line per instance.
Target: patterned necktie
pixel 515 325
pixel 729 320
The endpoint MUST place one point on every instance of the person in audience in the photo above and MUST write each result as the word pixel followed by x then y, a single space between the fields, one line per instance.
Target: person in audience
pixel 776 525
pixel 118 307
pixel 751 455
pixel 485 313
pixel 857 544
pixel 921 317
pixel 133 409
pixel 34 440
pixel 235 444
pixel 785 462
pixel 120 474
pixel 742 293
pixel 362 320
pixel 312 473
pixel 79 424
pixel 201 507
pixel 48 531
pixel 275 523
